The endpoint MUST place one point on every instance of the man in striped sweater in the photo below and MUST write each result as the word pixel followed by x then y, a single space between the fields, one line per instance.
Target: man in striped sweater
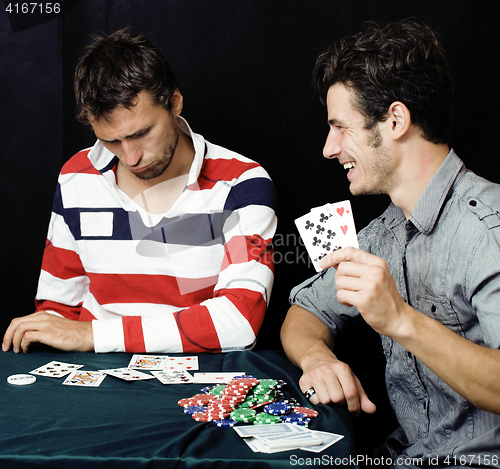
pixel 159 241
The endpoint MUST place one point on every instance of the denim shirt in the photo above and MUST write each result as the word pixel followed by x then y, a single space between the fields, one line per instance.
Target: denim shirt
pixel 445 260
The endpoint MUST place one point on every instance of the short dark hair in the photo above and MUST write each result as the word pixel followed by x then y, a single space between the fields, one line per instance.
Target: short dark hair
pixel 115 69
pixel 401 61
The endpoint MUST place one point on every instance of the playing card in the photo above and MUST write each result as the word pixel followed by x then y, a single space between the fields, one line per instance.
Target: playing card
pixel 181 363
pixel 266 430
pixel 343 213
pixel 55 369
pixel 147 362
pixel 173 377
pixel 321 234
pixel 216 377
pixel 90 379
pixel 127 374
pixel 327 439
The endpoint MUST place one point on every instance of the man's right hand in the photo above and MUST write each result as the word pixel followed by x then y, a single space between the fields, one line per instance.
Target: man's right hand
pixel 308 343
pixel 334 381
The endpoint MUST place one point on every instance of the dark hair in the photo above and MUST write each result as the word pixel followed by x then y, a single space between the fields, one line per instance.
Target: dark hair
pixel 398 62
pixel 115 69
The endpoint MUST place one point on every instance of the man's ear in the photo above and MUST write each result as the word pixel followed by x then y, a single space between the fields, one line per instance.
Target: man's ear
pixel 177 101
pixel 399 120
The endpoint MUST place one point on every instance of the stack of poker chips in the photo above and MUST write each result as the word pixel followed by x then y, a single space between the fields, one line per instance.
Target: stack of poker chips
pixel 246 399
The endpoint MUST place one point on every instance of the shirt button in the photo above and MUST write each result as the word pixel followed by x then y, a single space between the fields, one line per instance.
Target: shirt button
pixel 409 354
pixel 433 308
pixel 473 203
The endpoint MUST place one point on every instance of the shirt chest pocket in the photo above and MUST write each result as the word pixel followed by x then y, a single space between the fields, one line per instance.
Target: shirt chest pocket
pixel 440 310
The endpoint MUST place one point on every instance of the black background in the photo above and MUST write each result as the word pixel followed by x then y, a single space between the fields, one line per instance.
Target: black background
pixel 244 70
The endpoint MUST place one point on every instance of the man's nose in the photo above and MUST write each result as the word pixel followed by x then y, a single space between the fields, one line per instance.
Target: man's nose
pixel 332 148
pixel 131 154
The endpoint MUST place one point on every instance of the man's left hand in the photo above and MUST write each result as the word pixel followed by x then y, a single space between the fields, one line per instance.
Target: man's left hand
pixel 49 329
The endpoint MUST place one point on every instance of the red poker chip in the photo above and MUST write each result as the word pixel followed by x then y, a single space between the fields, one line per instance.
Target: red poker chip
pixel 226 408
pixel 204 398
pixel 244 382
pixel 218 415
pixel 306 411
pixel 202 417
pixel 186 402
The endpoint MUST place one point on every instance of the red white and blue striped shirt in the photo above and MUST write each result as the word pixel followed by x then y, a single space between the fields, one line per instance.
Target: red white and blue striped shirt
pixel 195 279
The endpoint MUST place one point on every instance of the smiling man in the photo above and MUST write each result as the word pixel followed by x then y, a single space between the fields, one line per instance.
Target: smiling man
pixel 427 274
pixel 159 241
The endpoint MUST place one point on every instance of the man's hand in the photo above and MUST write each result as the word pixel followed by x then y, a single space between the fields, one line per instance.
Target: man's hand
pixel 335 382
pixel 364 281
pixel 49 329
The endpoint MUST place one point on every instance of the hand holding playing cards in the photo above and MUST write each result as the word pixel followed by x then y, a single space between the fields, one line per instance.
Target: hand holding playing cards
pixel 49 329
pixel 364 281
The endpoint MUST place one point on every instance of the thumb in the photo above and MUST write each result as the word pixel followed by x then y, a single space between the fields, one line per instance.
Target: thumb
pixel 366 404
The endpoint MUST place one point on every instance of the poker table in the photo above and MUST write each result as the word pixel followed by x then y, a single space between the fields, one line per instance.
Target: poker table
pixel 139 424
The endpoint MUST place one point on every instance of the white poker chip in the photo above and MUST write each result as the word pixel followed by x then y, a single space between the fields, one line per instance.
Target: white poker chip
pixel 21 380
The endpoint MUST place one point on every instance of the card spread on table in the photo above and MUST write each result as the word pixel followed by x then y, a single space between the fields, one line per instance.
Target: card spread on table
pixel 128 374
pixel 181 363
pixel 90 379
pixel 327 229
pixel 284 437
pixel 173 376
pixel 147 362
pixel 55 369
pixel 216 377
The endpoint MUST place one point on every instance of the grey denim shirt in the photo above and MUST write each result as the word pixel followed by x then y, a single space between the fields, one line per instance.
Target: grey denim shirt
pixel 445 260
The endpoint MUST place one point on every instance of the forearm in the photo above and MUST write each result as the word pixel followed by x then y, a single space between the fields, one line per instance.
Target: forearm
pixel 471 370
pixel 305 338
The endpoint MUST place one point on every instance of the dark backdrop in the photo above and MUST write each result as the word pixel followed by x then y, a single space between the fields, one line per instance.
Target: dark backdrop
pixel 244 69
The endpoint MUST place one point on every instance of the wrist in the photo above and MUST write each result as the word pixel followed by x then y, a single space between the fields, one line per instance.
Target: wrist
pixel 316 354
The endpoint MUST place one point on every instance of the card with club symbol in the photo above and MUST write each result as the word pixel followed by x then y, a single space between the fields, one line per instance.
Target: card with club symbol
pixel 327 229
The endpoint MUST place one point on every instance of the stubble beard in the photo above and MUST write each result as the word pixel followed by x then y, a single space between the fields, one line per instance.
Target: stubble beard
pixel 382 172
pixel 161 165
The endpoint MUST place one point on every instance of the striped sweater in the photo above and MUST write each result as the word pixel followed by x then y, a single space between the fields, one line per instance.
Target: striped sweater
pixel 196 279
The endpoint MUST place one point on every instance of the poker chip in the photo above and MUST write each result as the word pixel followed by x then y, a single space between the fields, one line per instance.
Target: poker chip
pixel 194 408
pixel 295 418
pixel 277 408
pixel 243 415
pixel 306 411
pixel 201 417
pixel 246 399
pixel 225 422
pixel 21 380
pixel 266 419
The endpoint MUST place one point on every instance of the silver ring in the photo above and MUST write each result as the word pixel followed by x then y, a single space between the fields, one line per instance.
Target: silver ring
pixel 310 393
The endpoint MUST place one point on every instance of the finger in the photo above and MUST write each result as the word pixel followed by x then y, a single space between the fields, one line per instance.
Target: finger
pixel 19 334
pixel 323 381
pixel 9 335
pixel 350 389
pixel 347 254
pixel 366 404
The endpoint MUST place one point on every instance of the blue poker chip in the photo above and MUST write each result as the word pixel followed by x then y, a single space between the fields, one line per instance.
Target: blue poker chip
pixel 225 423
pixel 295 417
pixel 206 389
pixel 192 409
pixel 277 408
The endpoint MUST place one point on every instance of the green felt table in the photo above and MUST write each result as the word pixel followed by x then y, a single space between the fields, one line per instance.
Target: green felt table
pixel 139 424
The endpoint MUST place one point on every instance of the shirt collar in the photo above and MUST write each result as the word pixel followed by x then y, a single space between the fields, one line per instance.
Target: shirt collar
pixel 428 207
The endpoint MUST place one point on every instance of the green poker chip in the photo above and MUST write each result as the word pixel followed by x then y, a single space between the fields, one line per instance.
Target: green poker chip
pixel 243 415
